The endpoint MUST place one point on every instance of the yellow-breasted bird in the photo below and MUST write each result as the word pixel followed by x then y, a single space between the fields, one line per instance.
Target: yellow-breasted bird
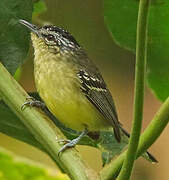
pixel 70 84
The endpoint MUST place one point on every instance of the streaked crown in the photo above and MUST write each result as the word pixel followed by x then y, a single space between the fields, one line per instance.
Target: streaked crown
pixel 52 35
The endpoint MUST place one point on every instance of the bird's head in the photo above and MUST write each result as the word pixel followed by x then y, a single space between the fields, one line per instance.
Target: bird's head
pixel 52 36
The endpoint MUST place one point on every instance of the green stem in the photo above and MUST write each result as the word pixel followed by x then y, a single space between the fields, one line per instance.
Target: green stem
pixel 148 137
pixel 141 51
pixel 154 129
pixel 43 129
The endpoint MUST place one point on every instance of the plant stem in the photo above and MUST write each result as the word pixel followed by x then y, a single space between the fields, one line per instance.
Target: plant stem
pixel 155 128
pixel 141 51
pixel 43 129
pixel 148 137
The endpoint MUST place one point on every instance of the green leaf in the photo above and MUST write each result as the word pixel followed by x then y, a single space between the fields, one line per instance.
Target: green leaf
pixel 15 168
pixel 14 39
pixel 39 7
pixel 12 126
pixel 121 19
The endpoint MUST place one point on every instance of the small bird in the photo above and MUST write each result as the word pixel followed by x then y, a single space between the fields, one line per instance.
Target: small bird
pixel 70 84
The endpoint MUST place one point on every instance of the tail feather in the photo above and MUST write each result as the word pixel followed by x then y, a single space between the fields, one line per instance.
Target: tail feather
pixel 147 155
pixel 117 133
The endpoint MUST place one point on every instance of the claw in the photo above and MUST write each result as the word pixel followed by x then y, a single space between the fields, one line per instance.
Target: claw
pixel 30 101
pixel 71 143
pixel 25 104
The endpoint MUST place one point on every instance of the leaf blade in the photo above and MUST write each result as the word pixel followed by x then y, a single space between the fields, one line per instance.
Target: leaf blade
pixel 14 40
pixel 121 19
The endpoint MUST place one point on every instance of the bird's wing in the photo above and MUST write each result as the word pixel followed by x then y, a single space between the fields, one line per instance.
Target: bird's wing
pixel 95 90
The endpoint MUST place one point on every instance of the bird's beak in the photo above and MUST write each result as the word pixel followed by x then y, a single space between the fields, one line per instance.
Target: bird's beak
pixel 30 26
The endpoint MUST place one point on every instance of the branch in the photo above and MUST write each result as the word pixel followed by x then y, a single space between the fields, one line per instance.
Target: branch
pixel 148 137
pixel 141 52
pixel 43 129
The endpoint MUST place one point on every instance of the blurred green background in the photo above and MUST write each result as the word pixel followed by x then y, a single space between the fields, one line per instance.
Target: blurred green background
pixel 85 20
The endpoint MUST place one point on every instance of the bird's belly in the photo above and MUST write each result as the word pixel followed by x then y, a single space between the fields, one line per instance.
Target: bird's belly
pixel 66 101
pixel 73 110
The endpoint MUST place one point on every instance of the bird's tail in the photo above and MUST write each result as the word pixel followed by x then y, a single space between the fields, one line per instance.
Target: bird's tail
pixel 146 155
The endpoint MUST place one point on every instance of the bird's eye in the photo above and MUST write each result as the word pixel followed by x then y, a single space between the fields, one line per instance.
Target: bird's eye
pixel 50 37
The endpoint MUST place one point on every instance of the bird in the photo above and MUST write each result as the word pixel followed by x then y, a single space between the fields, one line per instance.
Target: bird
pixel 70 84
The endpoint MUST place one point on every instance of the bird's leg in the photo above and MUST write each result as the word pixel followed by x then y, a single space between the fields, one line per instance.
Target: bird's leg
pixel 71 143
pixel 30 101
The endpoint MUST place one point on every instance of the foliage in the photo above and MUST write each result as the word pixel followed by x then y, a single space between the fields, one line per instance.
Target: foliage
pixel 22 169
pixel 121 20
pixel 39 7
pixel 14 40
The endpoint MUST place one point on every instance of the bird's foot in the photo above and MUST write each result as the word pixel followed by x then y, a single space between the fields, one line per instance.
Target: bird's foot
pixel 32 102
pixel 67 144
pixel 71 143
